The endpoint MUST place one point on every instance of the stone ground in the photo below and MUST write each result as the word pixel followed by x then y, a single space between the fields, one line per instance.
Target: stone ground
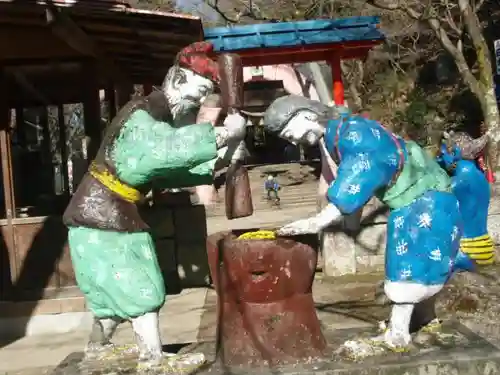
pixel 342 303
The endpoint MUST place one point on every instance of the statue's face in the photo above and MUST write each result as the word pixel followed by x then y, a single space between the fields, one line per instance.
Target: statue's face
pixel 303 128
pixel 448 156
pixel 185 90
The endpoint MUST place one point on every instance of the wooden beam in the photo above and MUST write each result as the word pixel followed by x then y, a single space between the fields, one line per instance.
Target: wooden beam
pixel 22 43
pixel 25 84
pixel 67 30
pixel 42 61
pixel 303 54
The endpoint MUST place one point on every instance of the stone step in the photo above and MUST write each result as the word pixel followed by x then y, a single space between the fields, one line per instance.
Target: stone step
pixel 220 210
pixel 309 189
pixel 299 195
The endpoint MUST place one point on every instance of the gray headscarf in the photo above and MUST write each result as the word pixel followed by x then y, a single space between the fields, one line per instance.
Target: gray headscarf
pixel 283 109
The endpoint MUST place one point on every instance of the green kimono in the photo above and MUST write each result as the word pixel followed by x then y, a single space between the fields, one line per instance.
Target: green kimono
pixel 118 271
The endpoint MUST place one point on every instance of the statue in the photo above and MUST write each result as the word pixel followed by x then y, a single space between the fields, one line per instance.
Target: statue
pixel 424 226
pixel 469 184
pixel 186 111
pixel 111 248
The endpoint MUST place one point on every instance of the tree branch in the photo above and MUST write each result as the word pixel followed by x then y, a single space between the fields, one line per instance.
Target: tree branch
pixel 476 35
pixel 457 55
pixel 386 5
pixel 478 5
pixel 354 76
pixel 395 5
pixel 448 18
pixel 216 8
pixel 250 10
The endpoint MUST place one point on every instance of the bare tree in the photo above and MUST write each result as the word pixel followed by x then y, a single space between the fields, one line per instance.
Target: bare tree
pixel 456 23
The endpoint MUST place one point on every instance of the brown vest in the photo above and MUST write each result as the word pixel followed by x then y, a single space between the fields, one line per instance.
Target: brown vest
pixel 93 205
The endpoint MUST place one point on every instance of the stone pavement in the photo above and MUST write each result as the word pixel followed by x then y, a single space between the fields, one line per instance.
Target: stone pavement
pixel 342 303
pixel 346 303
pixel 180 320
pixel 348 308
pixel 186 318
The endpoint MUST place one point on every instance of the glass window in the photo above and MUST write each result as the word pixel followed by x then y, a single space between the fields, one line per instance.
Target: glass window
pixel 44 153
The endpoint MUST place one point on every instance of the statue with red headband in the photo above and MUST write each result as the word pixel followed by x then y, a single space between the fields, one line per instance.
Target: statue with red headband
pixel 113 254
pixel 182 88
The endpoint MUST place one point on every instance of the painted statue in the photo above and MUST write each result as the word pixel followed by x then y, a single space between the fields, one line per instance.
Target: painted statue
pixel 113 254
pixel 457 155
pixel 424 225
pixel 186 111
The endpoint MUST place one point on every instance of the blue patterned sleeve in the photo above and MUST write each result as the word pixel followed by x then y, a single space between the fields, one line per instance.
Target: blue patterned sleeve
pixel 358 178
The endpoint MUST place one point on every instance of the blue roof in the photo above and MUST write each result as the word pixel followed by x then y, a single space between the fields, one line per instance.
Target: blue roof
pixel 292 34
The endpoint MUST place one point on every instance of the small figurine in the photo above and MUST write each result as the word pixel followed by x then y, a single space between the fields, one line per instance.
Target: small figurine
pixel 424 225
pixel 469 184
pixel 272 187
pixel 112 251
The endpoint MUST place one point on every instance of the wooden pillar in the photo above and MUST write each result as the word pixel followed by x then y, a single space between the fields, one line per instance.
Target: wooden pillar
pixel 61 123
pixel 110 97
pixel 124 93
pixel 6 155
pixel 91 108
pixel 338 84
pixel 8 189
pixel 49 178
pixel 147 88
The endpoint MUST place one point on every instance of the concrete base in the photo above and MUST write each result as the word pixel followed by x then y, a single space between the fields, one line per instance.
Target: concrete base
pixel 456 351
pixel 460 352
pixel 76 364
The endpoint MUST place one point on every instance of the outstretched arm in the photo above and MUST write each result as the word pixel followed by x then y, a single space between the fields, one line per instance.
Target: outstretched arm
pixel 330 214
pixel 357 181
pixel 221 136
pixel 210 111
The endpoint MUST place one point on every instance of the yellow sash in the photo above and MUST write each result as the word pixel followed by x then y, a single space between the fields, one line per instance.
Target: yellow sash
pixel 116 186
pixel 480 249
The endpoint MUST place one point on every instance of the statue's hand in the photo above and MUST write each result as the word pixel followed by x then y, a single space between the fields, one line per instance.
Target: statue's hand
pixel 240 151
pixel 304 226
pixel 221 153
pixel 236 126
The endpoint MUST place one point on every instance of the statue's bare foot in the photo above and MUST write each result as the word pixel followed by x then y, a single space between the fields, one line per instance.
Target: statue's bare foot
pixel 173 363
pixel 185 362
pixel 434 326
pixel 374 346
pixel 99 351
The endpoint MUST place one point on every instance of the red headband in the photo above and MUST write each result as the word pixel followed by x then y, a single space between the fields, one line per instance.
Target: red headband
pixel 196 57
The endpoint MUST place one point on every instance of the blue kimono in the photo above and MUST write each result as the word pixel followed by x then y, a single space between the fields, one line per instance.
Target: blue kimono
pixel 424 225
pixel 470 186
